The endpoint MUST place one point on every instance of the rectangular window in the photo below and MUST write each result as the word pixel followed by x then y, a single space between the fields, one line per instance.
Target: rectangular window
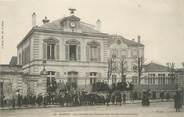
pixel 72 52
pixel 51 51
pixel 134 53
pixel 94 53
pixel 161 78
pixel 153 80
pixel 93 77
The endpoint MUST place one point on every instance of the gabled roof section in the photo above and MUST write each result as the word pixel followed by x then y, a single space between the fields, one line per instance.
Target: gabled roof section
pixel 154 67
pixel 126 41
pixel 57 25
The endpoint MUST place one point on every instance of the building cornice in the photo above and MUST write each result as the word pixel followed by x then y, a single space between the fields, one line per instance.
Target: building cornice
pixel 48 30
pixel 53 31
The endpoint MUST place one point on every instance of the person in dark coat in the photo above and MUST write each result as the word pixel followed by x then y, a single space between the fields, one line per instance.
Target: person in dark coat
pixel 113 99
pixel 118 98
pixel 2 100
pixel 178 101
pixel 108 98
pixel 39 99
pixel 167 96
pixel 19 100
pixel 124 98
pixel 162 96
pixel 145 99
pixel 13 102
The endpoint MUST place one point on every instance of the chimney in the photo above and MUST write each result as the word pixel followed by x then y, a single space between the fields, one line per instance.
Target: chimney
pixel 139 39
pixel 98 25
pixel 34 19
pixel 45 20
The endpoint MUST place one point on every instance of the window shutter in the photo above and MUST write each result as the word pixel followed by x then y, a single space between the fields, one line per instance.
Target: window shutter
pixel 78 52
pixel 57 51
pixel 99 55
pixel 67 52
pixel 87 53
pixel 44 51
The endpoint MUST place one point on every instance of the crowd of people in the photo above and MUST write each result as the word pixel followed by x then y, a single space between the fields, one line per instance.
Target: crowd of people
pixel 81 98
pixel 64 98
pixel 67 95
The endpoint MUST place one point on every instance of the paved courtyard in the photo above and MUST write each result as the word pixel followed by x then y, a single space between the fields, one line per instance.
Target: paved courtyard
pixel 161 109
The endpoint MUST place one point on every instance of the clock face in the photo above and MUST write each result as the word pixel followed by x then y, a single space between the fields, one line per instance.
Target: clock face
pixel 72 24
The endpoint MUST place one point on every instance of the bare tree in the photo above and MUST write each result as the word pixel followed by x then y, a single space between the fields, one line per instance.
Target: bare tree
pixel 123 69
pixel 182 64
pixel 140 62
pixel 109 72
pixel 171 68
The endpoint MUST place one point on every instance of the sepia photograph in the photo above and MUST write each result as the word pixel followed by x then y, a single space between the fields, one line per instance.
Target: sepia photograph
pixel 91 58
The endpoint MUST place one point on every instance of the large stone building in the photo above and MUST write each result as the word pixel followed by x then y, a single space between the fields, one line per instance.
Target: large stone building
pixel 72 51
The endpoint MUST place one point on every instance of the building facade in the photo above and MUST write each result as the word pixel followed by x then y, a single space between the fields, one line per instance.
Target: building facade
pixel 72 51
pixel 157 77
pixel 180 78
pixel 11 80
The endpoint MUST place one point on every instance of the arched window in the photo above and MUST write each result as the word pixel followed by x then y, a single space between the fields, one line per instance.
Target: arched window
pixel 93 51
pixel 72 50
pixel 51 49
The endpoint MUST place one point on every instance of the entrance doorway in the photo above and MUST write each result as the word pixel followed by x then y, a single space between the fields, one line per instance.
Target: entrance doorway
pixel 72 80
pixel 51 82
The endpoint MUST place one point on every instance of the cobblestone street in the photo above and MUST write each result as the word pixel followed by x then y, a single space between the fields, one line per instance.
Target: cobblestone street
pixel 161 109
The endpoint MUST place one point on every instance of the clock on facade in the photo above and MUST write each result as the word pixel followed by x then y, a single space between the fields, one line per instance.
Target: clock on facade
pixel 72 24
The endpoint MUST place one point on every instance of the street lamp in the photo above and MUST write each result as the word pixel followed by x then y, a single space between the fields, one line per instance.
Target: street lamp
pixel 43 73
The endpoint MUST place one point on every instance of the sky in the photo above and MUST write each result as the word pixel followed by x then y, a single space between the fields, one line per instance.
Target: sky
pixel 160 23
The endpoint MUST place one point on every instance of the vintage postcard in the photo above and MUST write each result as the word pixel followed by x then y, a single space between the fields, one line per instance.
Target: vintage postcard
pixel 91 58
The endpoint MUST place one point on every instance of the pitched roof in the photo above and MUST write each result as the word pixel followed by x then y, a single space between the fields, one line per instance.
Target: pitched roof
pixel 126 41
pixel 154 67
pixel 180 70
pixel 57 25
pixel 131 43
pixel 13 61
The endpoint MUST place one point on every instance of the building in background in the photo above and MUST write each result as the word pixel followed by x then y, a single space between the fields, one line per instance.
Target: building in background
pixel 180 78
pixel 11 80
pixel 157 77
